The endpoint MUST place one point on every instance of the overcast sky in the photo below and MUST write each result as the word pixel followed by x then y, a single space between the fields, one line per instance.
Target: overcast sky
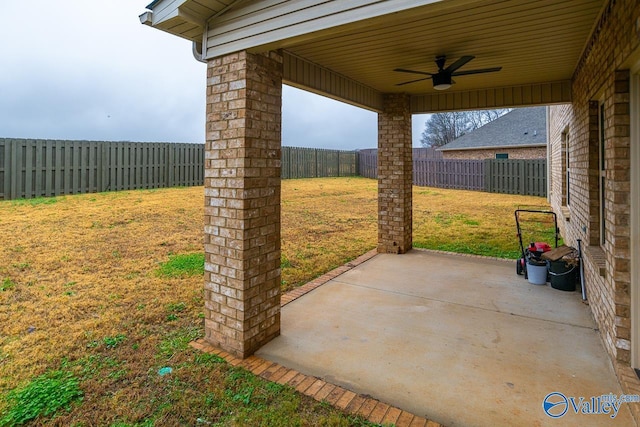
pixel 86 69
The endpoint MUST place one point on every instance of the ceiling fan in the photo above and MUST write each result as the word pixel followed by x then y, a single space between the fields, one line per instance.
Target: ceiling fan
pixel 442 79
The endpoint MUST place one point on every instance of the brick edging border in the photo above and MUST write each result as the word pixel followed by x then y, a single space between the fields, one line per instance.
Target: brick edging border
pixel 321 280
pixel 346 400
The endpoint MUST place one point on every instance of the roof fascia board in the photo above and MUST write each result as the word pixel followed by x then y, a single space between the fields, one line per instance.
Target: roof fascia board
pixel 268 24
pixel 543 93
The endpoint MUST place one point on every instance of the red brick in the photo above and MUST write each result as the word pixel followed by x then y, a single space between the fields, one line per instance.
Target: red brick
pixel 305 384
pixel 324 392
pixel 355 404
pixel 345 399
pixel 405 419
pixel 367 407
pixel 257 370
pixel 418 422
pixel 286 377
pixel 379 412
pixel 278 374
pixel 392 416
pixel 315 388
pixel 296 380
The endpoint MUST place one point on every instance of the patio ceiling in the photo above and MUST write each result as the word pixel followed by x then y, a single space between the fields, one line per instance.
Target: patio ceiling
pixel 536 42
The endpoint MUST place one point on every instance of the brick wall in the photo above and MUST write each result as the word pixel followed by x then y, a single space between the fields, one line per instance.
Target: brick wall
pixel 514 153
pixel 242 201
pixel 395 176
pixel 601 77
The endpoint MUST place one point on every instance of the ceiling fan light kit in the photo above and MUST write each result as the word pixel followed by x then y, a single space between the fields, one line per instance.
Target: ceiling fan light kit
pixel 442 79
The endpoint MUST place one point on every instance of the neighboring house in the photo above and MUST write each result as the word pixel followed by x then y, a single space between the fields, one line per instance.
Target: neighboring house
pixel 519 134
pixel 585 54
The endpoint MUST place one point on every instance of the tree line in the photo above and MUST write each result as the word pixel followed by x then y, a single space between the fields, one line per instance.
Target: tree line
pixel 442 128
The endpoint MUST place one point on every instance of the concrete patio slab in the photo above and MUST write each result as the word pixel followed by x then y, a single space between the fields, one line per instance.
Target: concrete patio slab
pixel 459 340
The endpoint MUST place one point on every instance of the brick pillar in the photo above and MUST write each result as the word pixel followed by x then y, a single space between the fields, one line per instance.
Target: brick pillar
pixel 242 201
pixel 395 175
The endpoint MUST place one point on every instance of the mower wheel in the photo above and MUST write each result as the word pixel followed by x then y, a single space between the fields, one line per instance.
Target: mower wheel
pixel 519 268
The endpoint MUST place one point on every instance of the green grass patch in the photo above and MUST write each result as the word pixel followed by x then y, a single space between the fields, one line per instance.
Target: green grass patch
pixel 42 397
pixel 177 307
pixel 178 342
pixel 114 341
pixel 7 284
pixel 34 202
pixel 184 265
pixel 470 248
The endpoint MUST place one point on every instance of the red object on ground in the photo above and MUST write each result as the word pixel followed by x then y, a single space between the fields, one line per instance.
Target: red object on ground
pixel 539 247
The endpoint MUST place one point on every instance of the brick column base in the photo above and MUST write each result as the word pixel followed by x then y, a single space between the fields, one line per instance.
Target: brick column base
pixel 395 175
pixel 242 201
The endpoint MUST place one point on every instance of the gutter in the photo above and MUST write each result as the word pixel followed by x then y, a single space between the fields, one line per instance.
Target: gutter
pixel 196 48
pixel 197 51
pixel 146 18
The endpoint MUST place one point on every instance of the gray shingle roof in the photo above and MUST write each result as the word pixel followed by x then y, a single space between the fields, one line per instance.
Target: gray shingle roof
pixel 520 127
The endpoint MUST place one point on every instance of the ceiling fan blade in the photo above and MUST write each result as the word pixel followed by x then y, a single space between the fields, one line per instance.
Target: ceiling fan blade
pixel 479 71
pixel 412 81
pixel 402 70
pixel 459 63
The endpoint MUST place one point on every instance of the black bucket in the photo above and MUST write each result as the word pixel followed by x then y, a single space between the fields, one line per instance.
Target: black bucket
pixel 563 276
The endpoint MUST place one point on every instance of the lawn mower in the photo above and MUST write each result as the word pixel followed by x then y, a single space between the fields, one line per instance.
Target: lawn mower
pixel 540 222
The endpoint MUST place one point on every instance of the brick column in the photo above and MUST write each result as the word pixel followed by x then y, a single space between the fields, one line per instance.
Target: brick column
pixel 395 175
pixel 242 201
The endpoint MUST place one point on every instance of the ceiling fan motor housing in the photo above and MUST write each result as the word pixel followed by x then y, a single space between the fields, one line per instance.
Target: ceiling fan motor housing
pixel 442 81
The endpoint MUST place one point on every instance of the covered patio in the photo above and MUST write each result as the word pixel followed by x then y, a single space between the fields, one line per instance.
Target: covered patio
pixel 455 339
pixel 359 51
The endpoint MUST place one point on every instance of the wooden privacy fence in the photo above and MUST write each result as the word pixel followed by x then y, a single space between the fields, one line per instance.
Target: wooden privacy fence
pixel 526 177
pixel 456 174
pixel 40 168
pixel 313 163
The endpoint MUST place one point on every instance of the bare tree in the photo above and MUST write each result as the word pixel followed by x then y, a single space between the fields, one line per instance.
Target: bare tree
pixel 442 128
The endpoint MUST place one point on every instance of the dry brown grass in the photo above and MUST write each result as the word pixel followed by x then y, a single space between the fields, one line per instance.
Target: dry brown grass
pixel 83 269
pixel 325 222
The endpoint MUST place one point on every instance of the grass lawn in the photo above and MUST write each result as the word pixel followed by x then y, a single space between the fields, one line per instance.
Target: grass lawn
pixel 100 292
